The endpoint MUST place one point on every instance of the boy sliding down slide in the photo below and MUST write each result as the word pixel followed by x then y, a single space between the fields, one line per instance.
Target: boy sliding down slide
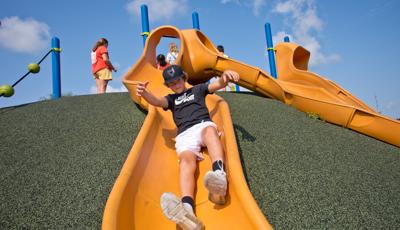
pixel 195 130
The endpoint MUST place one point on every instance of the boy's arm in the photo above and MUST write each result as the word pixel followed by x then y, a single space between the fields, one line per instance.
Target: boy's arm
pixel 142 91
pixel 222 81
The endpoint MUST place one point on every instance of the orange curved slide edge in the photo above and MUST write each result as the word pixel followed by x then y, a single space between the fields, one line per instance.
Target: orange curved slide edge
pixel 151 167
pixel 295 86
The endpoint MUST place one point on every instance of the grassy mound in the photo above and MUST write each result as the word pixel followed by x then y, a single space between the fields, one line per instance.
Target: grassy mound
pixel 59 160
pixel 308 174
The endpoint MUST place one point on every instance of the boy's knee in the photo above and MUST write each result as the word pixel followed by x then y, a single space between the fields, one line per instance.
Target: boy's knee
pixel 186 158
pixel 209 130
pixel 187 165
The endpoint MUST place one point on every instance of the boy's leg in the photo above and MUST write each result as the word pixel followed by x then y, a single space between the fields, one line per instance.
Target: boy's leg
pixel 211 140
pixel 181 211
pixel 187 168
pixel 215 180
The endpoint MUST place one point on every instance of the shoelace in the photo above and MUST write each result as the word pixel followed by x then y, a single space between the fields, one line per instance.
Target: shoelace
pixel 220 164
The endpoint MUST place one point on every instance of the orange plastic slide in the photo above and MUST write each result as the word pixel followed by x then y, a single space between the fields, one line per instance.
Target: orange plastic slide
pixel 151 167
pixel 295 86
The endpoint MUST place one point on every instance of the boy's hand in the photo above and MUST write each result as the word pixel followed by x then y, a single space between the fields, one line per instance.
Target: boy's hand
pixel 141 88
pixel 226 76
pixel 229 75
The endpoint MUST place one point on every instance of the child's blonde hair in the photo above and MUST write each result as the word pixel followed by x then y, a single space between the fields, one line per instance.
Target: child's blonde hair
pixel 173 47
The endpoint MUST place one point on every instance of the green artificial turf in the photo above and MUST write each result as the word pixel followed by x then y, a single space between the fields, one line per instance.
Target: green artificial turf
pixel 59 161
pixel 308 174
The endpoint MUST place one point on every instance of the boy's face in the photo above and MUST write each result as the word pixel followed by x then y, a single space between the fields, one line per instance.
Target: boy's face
pixel 177 85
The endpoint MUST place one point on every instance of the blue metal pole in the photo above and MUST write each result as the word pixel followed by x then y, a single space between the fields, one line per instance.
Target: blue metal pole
pixel 270 48
pixel 55 45
pixel 286 39
pixel 195 20
pixel 145 22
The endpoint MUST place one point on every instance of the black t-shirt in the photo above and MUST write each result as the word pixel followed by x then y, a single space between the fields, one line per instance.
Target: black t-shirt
pixel 189 108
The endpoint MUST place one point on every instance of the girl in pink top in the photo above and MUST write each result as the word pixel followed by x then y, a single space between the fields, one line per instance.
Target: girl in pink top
pixel 101 65
pixel 161 62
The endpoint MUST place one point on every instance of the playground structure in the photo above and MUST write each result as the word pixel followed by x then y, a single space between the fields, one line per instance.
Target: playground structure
pixel 8 90
pixel 151 166
pixel 136 197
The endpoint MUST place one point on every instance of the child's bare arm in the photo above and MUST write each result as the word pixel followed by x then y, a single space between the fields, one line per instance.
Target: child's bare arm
pixel 142 91
pixel 222 81
pixel 108 62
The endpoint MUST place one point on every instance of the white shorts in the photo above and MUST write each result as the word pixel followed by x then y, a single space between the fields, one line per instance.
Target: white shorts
pixel 190 139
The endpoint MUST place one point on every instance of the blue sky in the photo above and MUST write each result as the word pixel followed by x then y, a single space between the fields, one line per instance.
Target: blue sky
pixel 353 43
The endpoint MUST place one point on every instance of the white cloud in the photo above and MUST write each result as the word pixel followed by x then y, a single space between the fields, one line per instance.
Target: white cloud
pixel 159 10
pixel 381 6
pixel 93 89
pixel 302 14
pixel 256 5
pixel 24 36
pixel 392 108
pixel 393 105
pixel 110 89
pixel 279 36
pixel 229 1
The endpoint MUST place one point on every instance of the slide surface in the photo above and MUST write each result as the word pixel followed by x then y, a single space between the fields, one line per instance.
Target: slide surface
pixel 152 168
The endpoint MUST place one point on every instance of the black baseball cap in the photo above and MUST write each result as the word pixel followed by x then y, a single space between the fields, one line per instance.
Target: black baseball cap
pixel 172 73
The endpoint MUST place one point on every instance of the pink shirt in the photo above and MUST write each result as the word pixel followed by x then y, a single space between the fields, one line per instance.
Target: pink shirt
pixel 98 62
pixel 162 67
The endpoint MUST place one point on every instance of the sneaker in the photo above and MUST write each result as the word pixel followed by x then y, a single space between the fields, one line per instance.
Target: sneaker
pixel 215 182
pixel 180 213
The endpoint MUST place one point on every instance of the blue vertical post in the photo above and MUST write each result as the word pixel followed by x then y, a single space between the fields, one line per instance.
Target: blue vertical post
pixel 145 22
pixel 195 20
pixel 270 48
pixel 55 45
pixel 286 39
